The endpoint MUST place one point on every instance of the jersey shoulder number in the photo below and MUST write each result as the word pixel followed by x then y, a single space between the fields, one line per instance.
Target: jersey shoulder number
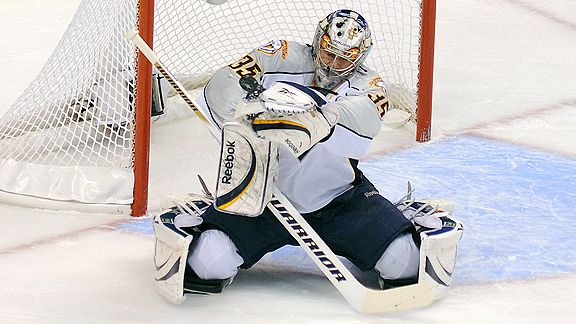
pixel 247 65
pixel 378 95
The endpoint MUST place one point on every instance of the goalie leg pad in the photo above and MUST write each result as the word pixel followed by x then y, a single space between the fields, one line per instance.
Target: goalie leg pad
pixel 247 171
pixel 437 259
pixel 170 257
pixel 438 250
pixel 174 277
pixel 175 230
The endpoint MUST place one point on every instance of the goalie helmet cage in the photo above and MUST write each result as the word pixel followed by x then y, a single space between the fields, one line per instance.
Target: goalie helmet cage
pixel 78 136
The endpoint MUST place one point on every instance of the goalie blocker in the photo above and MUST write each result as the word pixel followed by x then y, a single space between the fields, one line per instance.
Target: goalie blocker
pixel 247 170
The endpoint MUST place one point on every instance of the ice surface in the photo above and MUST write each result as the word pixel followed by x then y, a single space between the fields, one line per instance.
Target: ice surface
pixel 503 151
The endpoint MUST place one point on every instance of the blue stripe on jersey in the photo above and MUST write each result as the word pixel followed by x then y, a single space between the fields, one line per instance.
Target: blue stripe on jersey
pixel 355 133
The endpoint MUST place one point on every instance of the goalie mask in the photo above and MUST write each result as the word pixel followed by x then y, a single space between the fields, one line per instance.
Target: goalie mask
pixel 341 44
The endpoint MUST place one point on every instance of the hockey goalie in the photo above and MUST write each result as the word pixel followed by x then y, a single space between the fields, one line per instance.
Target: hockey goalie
pixel 299 117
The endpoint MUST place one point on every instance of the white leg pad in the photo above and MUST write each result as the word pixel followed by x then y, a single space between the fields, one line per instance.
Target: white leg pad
pixel 438 252
pixel 170 254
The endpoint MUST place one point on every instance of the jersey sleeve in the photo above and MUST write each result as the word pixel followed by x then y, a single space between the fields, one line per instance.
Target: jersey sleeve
pixel 360 111
pixel 222 93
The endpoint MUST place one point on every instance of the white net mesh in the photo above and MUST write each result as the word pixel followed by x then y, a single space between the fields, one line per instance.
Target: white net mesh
pixel 207 38
pixel 69 135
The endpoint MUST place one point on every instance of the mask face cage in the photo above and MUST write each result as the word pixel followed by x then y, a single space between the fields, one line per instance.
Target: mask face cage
pixel 341 44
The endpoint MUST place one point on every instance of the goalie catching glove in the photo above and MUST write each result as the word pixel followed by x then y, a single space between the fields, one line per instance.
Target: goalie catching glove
pixel 288 113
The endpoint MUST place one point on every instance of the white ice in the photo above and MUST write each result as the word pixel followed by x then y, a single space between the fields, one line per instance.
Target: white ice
pixel 505 71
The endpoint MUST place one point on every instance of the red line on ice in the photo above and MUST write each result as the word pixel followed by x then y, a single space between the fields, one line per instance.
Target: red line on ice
pixel 550 16
pixel 69 235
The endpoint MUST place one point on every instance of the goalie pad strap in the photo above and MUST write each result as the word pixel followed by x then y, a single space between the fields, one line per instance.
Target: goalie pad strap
pixel 247 170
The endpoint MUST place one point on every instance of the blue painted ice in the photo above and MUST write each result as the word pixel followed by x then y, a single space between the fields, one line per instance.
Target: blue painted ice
pixel 517 204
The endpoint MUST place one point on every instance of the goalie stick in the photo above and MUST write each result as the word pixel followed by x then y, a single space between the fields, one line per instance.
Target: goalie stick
pixel 362 298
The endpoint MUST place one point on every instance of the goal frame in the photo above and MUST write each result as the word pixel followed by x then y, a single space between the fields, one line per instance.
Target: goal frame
pixel 144 91
pixel 143 102
pixel 426 71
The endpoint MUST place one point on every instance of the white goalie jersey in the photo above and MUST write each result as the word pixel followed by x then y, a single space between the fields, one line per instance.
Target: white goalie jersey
pixel 329 168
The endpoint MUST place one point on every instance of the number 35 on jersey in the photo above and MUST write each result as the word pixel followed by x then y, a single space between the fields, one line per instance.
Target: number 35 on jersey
pixel 246 66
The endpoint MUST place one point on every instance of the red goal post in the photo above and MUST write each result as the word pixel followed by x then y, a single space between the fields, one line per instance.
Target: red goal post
pixel 426 71
pixel 79 135
pixel 142 115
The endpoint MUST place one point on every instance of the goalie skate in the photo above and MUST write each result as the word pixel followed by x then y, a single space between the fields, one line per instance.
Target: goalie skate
pixel 424 213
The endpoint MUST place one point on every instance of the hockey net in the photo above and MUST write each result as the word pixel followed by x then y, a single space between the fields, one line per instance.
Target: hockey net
pixel 70 136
